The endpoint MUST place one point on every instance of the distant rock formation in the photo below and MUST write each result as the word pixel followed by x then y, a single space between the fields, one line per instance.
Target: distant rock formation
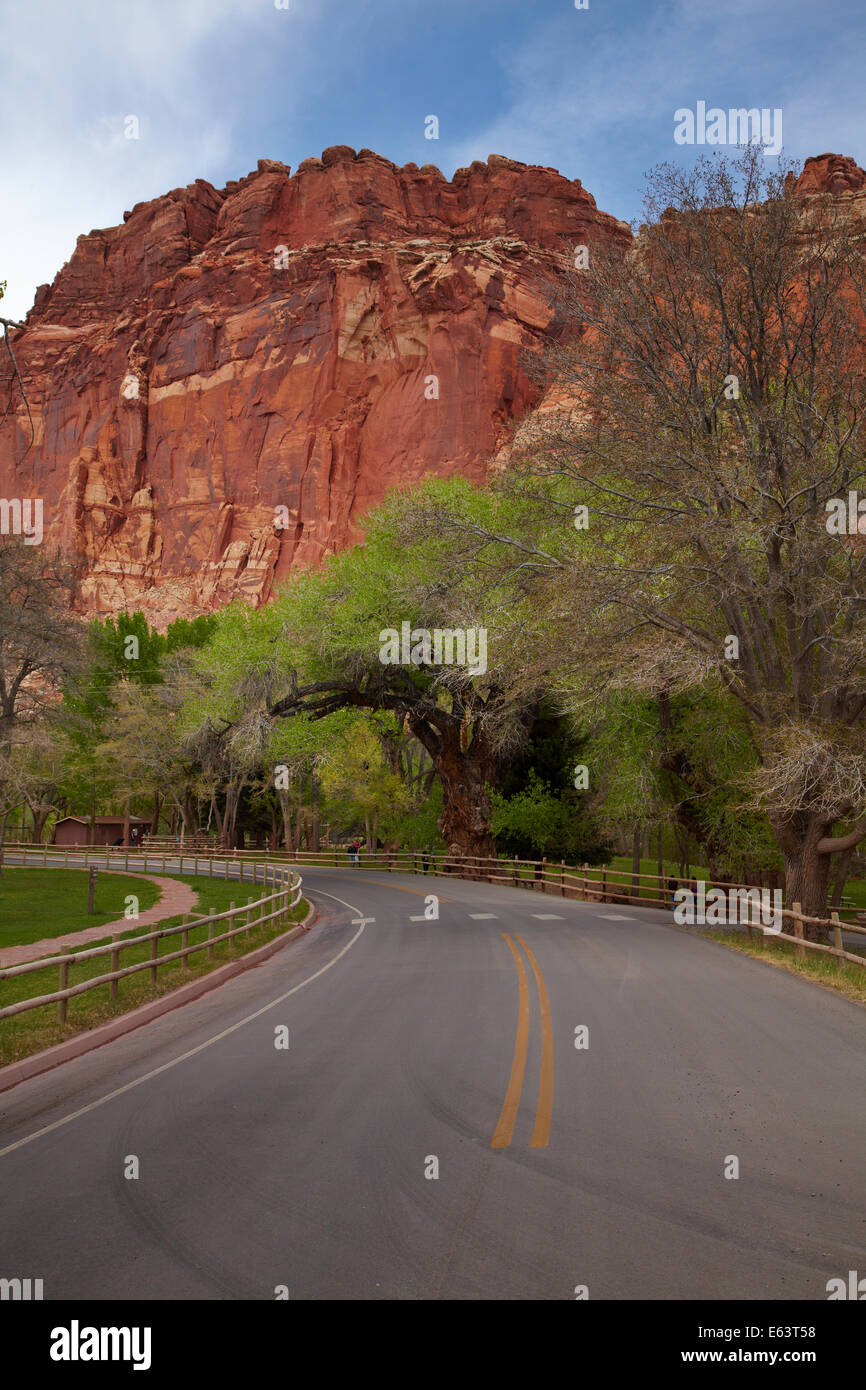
pixel 224 384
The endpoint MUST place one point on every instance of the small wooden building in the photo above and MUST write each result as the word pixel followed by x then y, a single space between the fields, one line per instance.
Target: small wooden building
pixel 107 830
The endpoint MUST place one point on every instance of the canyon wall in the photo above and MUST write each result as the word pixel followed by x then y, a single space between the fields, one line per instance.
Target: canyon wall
pixel 224 384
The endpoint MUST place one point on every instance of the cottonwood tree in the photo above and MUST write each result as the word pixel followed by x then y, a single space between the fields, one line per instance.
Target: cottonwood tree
pixel 316 650
pixel 708 413
pixel 40 644
pixel 145 749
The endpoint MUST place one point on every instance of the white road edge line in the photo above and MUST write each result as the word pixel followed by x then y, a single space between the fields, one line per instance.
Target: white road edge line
pixel 483 916
pixel 167 1066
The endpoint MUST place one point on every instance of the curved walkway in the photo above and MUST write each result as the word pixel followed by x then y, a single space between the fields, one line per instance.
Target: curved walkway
pixel 175 899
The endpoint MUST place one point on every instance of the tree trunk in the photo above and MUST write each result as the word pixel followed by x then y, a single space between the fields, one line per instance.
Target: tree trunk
pixel 314 797
pixel 230 817
pixel 465 775
pixel 286 810
pixel 842 871
pixel 807 871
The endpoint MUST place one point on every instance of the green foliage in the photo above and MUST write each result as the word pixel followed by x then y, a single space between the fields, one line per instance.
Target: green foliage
pixel 418 828
pixel 536 822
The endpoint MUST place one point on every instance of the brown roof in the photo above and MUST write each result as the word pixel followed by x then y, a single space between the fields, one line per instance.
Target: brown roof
pixel 114 820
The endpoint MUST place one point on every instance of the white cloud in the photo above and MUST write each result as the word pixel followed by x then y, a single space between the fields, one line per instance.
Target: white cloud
pixel 74 73
pixel 602 109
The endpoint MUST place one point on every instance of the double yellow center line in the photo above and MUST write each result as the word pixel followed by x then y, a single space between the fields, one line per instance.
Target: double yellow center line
pixel 508 1116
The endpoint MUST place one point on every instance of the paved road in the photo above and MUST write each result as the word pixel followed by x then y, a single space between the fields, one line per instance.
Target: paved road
pixel 414 1044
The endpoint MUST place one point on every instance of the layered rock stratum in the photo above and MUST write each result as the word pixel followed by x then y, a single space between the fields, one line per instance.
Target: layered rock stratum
pixel 224 384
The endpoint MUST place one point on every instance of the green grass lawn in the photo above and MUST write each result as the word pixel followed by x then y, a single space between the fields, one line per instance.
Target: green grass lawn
pixel 37 903
pixel 40 1028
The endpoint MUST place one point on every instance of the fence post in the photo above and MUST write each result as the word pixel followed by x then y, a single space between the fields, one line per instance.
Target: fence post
pixel 603 897
pixel 66 859
pixel 115 965
pixel 45 857
pixel 562 878
pixel 107 858
pixel 154 955
pixel 514 873
pixel 249 918
pixel 184 941
pixel 64 984
pixel 799 951
pixel 210 938
pixel 231 927
pixel 837 937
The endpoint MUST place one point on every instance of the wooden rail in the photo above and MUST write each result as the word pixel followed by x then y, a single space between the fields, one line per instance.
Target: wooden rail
pixel 285 882
pixel 602 885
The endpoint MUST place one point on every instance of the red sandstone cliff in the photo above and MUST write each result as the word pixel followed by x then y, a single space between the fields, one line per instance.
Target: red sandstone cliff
pixel 226 353
pixel 230 352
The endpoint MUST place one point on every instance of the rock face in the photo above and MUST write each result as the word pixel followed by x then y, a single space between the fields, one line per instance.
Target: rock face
pixel 831 173
pixel 223 385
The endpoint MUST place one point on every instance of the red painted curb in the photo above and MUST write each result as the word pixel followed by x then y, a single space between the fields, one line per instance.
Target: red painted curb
pixel 55 1056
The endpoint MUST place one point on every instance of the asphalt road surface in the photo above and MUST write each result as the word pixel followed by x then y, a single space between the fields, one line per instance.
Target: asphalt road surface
pixel 432 1130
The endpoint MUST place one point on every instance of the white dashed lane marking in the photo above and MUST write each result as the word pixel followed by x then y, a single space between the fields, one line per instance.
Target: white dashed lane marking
pixel 483 916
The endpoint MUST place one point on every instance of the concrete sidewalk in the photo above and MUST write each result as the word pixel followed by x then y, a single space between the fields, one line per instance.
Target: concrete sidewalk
pixel 174 900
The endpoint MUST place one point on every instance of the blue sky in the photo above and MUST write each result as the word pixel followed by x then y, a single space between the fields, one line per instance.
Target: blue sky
pixel 218 84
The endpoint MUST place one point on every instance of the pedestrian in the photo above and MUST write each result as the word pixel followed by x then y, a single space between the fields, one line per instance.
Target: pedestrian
pixel 425 860
pixel 673 885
